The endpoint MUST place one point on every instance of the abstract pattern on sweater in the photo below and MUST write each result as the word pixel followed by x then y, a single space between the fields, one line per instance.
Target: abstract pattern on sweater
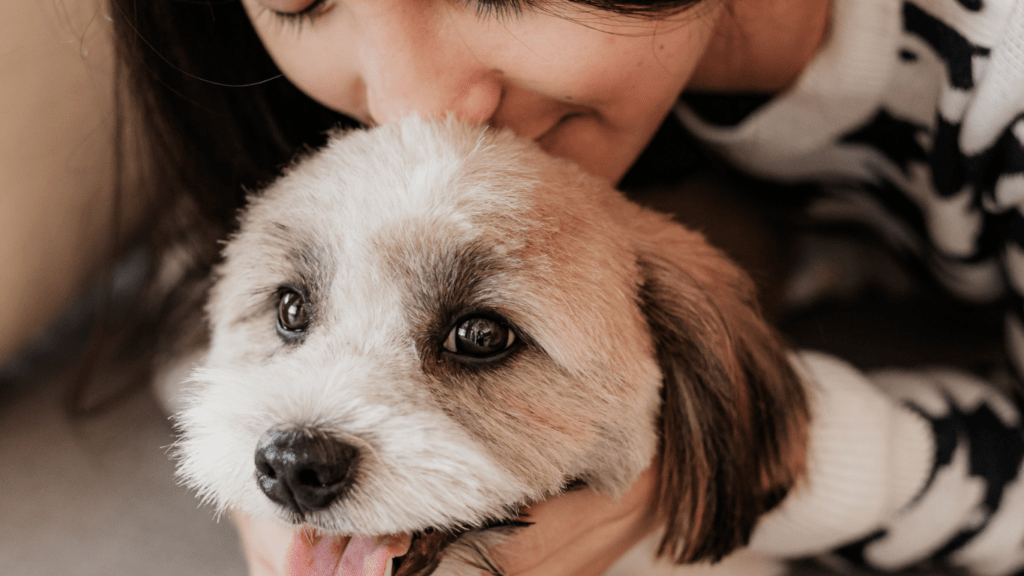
pixel 911 123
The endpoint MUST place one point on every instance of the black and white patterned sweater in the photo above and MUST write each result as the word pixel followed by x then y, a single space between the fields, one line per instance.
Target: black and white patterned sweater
pixel 910 121
pixel 905 470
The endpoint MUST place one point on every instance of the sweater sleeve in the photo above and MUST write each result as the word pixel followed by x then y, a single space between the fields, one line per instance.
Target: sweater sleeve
pixel 904 468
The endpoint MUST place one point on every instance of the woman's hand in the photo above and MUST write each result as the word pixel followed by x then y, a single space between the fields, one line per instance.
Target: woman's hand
pixel 580 533
pixel 266 544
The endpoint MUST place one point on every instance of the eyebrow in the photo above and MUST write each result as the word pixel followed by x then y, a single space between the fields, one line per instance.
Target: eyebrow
pixel 303 265
pixel 440 280
pixel 307 262
pixel 450 284
pixel 312 267
pixel 452 279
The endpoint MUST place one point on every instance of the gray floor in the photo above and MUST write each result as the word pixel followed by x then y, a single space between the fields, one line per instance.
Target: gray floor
pixel 98 497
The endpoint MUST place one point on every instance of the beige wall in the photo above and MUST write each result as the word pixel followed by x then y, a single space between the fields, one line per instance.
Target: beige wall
pixel 56 127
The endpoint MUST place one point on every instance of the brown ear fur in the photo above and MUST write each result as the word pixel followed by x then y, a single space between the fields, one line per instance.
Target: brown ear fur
pixel 734 414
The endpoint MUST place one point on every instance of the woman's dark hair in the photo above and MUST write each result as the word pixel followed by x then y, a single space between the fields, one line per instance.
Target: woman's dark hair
pixel 205 116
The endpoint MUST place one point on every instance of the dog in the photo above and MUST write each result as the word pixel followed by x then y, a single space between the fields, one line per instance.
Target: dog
pixel 425 327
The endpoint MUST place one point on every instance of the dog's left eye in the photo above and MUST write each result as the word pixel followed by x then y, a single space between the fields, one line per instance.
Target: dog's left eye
pixel 479 337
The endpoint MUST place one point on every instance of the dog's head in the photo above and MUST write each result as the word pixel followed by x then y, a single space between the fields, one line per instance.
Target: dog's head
pixel 430 325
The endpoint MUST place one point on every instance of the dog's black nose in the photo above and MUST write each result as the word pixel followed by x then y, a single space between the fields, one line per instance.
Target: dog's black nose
pixel 304 470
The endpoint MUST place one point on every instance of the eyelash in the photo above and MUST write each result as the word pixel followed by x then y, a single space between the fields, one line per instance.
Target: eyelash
pixel 499 9
pixel 309 14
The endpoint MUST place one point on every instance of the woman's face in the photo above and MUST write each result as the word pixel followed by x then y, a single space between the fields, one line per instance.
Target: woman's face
pixel 587 85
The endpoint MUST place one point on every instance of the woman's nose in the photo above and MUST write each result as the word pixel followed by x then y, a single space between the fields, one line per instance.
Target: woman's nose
pixel 471 99
pixel 416 65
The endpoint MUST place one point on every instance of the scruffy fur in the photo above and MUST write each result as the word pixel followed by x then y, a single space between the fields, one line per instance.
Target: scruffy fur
pixel 635 339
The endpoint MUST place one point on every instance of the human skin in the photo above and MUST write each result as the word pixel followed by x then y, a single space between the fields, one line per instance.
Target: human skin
pixel 586 85
pixel 563 540
pixel 592 92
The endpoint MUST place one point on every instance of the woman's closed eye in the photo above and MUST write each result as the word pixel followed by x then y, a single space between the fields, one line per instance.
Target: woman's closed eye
pixel 499 9
pixel 297 12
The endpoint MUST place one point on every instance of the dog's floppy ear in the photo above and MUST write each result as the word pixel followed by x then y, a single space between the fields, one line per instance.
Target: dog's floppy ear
pixel 734 414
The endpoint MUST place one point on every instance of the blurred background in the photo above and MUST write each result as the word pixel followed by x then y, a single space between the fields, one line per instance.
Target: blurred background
pixel 93 496
pixel 97 496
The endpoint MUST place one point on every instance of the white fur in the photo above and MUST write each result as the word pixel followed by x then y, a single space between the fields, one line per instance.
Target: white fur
pixel 405 194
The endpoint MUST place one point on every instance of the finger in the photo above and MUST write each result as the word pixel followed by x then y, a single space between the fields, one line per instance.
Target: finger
pixel 594 551
pixel 265 544
pixel 581 532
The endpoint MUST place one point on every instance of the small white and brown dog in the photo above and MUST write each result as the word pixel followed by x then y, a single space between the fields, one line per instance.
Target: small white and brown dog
pixel 425 327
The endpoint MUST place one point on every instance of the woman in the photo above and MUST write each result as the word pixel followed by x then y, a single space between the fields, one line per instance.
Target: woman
pixel 907 121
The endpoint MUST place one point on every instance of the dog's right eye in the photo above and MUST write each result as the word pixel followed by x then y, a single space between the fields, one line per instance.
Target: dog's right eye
pixel 480 337
pixel 292 313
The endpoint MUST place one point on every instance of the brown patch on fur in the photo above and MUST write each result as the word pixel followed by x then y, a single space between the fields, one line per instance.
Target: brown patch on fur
pixel 443 284
pixel 734 415
pixel 516 406
pixel 522 411
pixel 508 404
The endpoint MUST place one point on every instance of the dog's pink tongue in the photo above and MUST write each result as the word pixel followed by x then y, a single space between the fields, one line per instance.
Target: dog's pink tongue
pixel 316 554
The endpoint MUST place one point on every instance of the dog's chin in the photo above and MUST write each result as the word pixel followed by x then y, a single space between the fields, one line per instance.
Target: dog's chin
pixel 427 547
pixel 425 551
pixel 420 552
pixel 410 554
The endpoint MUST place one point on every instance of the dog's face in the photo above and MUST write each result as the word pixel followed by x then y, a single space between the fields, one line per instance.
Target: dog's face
pixel 431 325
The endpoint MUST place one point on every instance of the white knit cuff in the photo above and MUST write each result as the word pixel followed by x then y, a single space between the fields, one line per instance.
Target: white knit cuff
pixel 868 456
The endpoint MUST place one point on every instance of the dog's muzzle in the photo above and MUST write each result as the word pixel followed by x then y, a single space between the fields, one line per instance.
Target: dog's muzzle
pixel 304 470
